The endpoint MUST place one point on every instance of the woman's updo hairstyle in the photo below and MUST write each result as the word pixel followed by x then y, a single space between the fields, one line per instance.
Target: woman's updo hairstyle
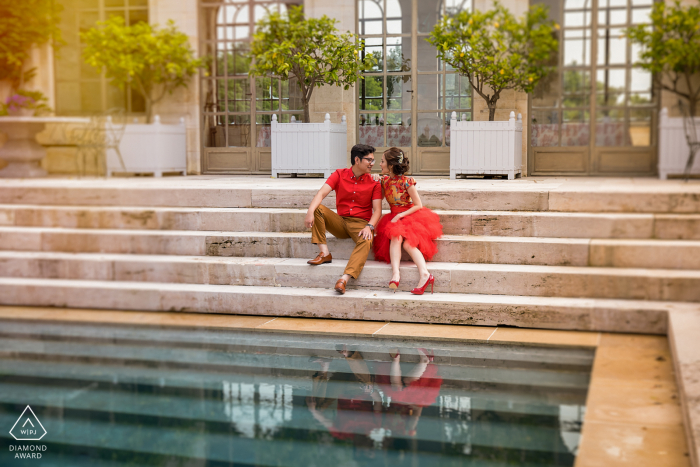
pixel 397 161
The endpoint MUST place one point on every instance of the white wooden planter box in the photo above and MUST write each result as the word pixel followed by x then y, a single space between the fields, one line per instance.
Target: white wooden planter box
pixel 478 148
pixel 308 147
pixel 151 148
pixel 673 146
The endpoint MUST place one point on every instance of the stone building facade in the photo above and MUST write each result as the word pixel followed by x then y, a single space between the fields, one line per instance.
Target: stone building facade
pixel 596 116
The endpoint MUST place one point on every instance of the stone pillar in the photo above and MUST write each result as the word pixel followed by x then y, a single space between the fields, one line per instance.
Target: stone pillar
pixel 332 99
pixel 184 102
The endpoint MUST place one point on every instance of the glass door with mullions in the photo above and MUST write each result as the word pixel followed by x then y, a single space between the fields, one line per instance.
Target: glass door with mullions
pixel 408 84
pixel 237 111
pixel 597 113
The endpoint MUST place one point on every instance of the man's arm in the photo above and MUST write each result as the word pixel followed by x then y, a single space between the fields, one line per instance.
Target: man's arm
pixel 315 203
pixel 366 233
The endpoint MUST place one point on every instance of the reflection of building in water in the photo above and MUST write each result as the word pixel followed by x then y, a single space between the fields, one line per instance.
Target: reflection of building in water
pixel 258 410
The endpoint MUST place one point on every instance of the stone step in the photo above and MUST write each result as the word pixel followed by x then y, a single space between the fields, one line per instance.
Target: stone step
pixel 628 253
pixel 529 194
pixel 496 279
pixel 534 312
pixel 497 223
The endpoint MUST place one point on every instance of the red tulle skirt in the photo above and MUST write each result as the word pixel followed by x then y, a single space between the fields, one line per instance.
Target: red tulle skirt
pixel 419 230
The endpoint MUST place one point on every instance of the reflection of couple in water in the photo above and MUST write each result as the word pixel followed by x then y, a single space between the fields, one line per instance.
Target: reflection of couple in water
pixel 360 407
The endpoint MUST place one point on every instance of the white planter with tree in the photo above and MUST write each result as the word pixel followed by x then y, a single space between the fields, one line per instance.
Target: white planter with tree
pixel 312 52
pixel 670 46
pixel 495 51
pixel 153 62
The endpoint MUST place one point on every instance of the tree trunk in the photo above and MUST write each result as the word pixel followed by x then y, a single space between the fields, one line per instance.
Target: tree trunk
pixel 149 110
pixel 693 105
pixel 492 111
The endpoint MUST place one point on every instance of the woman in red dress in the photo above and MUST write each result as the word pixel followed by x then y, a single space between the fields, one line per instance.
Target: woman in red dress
pixel 409 223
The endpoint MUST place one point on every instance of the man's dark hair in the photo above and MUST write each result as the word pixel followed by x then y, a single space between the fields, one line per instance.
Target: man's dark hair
pixel 360 150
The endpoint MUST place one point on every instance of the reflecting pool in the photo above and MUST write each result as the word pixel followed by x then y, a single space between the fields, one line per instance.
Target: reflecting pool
pixel 124 395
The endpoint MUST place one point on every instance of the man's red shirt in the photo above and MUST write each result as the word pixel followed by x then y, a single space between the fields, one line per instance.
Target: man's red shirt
pixel 354 195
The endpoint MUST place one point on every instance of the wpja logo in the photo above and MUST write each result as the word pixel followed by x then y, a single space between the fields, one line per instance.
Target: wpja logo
pixel 28 428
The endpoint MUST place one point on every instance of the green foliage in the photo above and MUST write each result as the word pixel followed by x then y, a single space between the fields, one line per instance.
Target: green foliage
pixel 151 60
pixel 671 49
pixel 35 101
pixel 309 50
pixel 497 51
pixel 24 24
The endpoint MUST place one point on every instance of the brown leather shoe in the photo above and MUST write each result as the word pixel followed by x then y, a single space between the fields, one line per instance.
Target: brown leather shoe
pixel 320 259
pixel 340 285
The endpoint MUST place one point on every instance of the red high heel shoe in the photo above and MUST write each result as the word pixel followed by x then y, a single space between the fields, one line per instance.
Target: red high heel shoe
pixel 421 290
pixel 393 285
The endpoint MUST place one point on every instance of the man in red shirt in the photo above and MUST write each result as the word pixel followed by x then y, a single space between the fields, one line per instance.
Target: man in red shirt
pixel 358 200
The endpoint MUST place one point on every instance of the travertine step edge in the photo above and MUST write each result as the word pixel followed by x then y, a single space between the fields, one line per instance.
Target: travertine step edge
pixel 662 254
pixel 506 223
pixel 683 333
pixel 496 279
pixel 484 310
pixel 668 198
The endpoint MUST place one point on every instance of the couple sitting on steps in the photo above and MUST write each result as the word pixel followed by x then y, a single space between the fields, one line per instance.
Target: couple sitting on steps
pixel 359 204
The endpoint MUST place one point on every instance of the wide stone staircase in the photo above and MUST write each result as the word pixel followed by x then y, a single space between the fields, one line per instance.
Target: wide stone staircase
pixel 512 254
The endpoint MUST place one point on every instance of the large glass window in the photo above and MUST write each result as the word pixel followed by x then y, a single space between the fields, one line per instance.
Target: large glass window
pixel 80 88
pixel 408 84
pixel 237 111
pixel 597 97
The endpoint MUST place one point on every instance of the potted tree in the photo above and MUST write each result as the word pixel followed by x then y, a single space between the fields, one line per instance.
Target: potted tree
pixel 670 46
pixel 495 51
pixel 312 52
pixel 154 62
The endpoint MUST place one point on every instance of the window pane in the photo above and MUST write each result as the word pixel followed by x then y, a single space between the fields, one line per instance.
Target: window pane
pixel 577 19
pixel 371 90
pixel 398 129
pixel 374 47
pixel 267 94
pixel 427 56
pixel 398 92
pixel 239 130
pixel 545 128
pixel 452 7
pixel 428 15
pixel 610 128
pixel 138 103
pixel 457 92
pixel 238 61
pixel 429 95
pixel 398 17
pixel 291 95
pixel 371 129
pixel 238 95
pixel 577 47
pixel 429 129
pixel 398 54
pixel 577 88
pixel 370 16
pixel 116 98
pixel 575 128
pixel 610 87
pixel 640 127
pixel 263 130
pixel 138 16
pixel 612 47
